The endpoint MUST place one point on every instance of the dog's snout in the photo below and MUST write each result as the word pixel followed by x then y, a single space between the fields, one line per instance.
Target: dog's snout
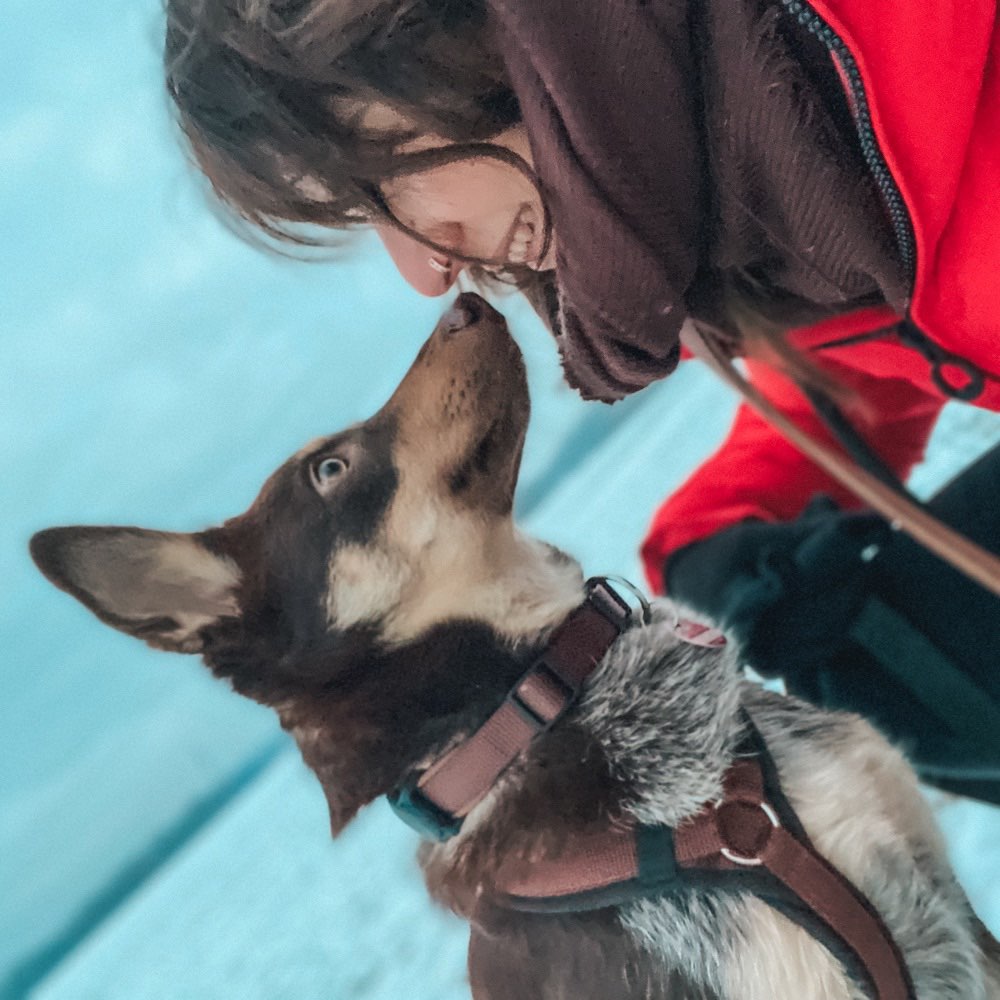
pixel 465 311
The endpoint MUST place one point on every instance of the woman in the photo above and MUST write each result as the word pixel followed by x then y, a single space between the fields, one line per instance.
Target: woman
pixel 774 173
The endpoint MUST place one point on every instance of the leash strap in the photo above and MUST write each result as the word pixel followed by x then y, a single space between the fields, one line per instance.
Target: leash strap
pixel 967 711
pixel 898 508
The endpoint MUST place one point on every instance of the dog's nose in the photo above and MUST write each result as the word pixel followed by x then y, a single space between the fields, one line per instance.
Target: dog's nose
pixel 466 310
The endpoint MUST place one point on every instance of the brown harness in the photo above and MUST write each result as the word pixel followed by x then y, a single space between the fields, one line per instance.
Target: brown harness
pixel 750 841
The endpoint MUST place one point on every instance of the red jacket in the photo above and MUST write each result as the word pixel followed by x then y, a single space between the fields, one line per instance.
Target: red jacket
pixel 928 77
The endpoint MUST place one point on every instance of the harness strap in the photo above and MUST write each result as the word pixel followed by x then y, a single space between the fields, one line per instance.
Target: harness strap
pixel 739 843
pixel 743 829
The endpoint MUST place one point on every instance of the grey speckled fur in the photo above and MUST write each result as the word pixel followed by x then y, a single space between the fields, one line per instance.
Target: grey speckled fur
pixel 667 715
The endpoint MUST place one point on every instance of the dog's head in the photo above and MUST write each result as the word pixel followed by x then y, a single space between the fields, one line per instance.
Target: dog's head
pixel 376 593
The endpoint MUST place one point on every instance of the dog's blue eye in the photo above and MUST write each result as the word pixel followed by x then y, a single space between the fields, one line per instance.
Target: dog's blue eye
pixel 328 469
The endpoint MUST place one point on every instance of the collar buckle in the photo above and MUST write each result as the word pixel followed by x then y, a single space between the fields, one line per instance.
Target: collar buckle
pixel 419 813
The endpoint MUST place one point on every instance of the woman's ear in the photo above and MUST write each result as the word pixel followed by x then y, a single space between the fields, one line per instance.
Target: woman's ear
pixel 158 586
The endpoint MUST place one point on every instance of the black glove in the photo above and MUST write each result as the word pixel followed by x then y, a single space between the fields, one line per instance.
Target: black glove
pixel 787 592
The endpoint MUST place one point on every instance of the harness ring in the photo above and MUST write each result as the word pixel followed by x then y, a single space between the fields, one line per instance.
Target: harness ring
pixel 742 859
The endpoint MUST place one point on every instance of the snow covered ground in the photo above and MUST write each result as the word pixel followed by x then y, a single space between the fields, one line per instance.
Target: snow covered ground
pixel 159 838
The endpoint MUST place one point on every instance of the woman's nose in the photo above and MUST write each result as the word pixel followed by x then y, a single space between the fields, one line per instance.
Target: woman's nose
pixel 424 269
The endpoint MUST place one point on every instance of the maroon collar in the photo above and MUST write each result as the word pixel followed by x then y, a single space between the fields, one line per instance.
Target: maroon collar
pixel 436 801
pixel 741 830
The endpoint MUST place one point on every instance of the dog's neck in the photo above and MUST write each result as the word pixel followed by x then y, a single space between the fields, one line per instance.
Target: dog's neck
pixel 650 741
pixel 490 574
pixel 399 705
pixel 436 799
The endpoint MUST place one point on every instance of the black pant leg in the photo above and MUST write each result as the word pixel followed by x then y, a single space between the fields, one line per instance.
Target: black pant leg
pixel 960 619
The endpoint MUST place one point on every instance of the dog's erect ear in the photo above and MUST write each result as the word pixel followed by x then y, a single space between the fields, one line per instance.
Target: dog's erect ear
pixel 155 585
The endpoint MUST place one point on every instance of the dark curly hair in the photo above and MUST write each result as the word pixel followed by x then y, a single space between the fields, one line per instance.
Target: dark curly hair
pixel 269 95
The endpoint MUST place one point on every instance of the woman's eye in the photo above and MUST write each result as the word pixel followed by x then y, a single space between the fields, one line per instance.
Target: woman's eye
pixel 328 469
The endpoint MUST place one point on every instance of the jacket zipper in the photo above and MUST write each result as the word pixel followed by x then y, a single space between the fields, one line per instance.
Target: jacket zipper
pixel 898 215
pixel 953 375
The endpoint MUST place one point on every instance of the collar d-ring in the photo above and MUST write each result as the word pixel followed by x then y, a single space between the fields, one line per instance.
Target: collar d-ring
pixel 646 615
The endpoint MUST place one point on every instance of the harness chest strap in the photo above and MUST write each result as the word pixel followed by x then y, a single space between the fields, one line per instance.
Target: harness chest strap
pixel 741 831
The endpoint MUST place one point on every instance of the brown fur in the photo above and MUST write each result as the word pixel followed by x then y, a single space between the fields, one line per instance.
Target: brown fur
pixel 514 956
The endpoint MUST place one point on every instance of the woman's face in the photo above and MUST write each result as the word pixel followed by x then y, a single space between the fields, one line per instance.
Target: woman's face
pixel 482 208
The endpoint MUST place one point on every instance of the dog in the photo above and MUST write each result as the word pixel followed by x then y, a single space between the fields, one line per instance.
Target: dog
pixel 378 596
